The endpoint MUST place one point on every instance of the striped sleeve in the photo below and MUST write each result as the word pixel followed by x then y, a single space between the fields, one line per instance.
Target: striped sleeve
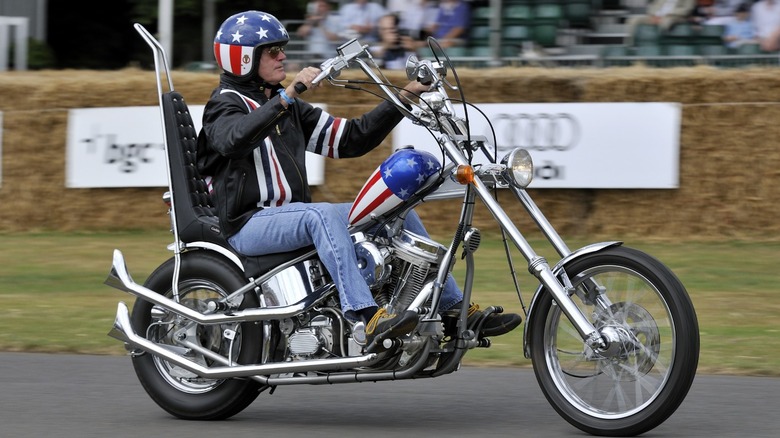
pixel 327 135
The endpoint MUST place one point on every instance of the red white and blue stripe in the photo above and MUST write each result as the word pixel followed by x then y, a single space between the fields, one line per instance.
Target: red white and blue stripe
pixel 275 190
pixel 327 135
pixel 392 183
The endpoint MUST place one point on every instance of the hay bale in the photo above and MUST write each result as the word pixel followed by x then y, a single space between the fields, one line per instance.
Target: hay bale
pixel 729 159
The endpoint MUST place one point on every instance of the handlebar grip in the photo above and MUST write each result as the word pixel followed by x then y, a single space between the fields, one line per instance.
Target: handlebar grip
pixel 300 87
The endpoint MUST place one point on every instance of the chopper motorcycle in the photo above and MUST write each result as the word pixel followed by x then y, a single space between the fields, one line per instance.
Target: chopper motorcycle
pixel 611 332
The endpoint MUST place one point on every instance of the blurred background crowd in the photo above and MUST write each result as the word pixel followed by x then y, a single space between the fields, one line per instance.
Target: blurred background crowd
pixel 88 34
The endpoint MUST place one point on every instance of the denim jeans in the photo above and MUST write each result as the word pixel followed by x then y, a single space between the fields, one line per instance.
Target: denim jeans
pixel 296 225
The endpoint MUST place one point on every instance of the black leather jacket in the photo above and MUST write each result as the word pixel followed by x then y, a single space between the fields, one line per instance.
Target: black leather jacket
pixel 254 148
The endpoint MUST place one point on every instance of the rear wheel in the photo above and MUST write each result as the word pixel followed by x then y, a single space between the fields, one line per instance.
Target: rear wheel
pixel 204 276
pixel 645 373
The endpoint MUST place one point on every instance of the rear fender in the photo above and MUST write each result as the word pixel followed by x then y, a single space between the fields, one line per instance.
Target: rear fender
pixel 557 269
pixel 216 248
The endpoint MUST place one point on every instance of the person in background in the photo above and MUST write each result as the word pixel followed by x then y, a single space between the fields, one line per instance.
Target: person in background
pixel 715 12
pixel 321 29
pixel 394 46
pixel 765 16
pixel 359 20
pixel 253 142
pixel 415 16
pixel 740 30
pixel 452 23
pixel 661 13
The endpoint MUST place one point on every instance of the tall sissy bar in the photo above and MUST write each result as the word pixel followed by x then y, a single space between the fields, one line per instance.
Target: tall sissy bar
pixel 194 223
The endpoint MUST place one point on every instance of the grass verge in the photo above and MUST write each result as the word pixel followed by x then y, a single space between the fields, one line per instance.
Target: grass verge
pixel 54 299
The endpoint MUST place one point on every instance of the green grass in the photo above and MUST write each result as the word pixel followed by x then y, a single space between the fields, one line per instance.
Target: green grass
pixel 54 300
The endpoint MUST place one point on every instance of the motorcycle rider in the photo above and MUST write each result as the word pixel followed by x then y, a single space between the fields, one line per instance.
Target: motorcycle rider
pixel 254 138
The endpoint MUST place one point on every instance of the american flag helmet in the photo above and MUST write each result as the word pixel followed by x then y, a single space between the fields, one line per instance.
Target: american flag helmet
pixel 392 183
pixel 236 42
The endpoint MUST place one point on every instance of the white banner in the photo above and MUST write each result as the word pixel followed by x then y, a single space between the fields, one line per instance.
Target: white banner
pixel 578 145
pixel 123 147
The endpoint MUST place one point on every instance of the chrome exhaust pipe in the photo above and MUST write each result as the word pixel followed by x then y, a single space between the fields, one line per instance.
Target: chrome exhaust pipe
pixel 123 330
pixel 119 278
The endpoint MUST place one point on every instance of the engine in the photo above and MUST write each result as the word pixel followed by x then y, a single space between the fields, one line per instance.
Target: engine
pixel 398 270
pixel 311 340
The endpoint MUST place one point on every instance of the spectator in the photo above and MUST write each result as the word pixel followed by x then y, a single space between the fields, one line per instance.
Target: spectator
pixel 716 12
pixel 661 13
pixel 740 30
pixel 394 45
pixel 724 11
pixel 414 16
pixel 765 16
pixel 452 23
pixel 321 29
pixel 359 20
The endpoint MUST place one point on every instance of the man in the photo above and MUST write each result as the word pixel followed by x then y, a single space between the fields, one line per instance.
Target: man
pixel 765 16
pixel 359 19
pixel 661 13
pixel 321 29
pixel 254 138
pixel 452 23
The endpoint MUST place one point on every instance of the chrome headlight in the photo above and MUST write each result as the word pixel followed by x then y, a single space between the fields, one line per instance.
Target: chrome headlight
pixel 519 169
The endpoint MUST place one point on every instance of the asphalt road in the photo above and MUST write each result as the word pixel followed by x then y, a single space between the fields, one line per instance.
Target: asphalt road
pixel 72 396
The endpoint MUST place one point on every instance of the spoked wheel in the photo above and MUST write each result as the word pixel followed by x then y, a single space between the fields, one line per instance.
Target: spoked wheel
pixel 644 312
pixel 204 277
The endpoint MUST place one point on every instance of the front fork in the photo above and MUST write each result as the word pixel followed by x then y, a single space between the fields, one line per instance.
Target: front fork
pixel 537 265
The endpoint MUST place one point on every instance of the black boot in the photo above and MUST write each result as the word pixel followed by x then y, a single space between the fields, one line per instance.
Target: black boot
pixel 494 324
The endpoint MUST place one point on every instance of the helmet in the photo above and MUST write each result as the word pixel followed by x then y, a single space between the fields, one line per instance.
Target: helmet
pixel 236 43
pixel 394 181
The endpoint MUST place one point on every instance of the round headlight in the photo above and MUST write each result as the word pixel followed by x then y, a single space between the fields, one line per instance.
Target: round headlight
pixel 519 168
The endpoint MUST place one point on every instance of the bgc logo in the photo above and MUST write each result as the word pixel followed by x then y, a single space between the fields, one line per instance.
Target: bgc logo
pixel 128 158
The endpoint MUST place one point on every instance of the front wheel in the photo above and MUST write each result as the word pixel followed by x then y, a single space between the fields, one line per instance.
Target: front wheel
pixel 204 276
pixel 644 374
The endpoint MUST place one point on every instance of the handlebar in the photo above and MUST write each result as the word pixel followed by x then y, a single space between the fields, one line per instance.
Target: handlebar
pixel 347 52
pixel 432 73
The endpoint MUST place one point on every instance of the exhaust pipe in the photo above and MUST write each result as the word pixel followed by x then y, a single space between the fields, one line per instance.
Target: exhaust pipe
pixel 123 331
pixel 119 278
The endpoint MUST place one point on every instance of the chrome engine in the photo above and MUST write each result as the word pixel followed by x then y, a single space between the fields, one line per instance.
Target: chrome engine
pixel 313 339
pixel 399 269
pixel 313 334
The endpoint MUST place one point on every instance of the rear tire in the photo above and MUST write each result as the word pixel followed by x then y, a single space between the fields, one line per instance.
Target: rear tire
pixel 204 275
pixel 639 385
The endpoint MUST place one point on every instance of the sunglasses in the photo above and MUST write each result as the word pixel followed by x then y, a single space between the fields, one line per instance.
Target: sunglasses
pixel 274 51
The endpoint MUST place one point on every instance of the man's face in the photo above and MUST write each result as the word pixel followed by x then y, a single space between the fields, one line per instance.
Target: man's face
pixel 272 65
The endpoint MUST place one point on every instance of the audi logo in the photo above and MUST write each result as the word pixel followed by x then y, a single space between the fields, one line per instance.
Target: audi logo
pixel 542 131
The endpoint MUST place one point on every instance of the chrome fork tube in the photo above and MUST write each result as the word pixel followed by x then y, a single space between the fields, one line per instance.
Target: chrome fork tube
pixel 541 221
pixel 537 265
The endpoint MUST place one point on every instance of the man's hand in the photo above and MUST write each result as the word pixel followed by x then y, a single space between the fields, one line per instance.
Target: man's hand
pixel 304 77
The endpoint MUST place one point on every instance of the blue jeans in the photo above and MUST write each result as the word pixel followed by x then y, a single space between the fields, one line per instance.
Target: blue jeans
pixel 296 225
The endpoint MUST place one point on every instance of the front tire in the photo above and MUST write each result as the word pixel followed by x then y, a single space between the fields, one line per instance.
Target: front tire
pixel 639 382
pixel 203 276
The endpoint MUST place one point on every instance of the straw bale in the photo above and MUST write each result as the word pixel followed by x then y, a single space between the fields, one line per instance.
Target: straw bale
pixel 729 156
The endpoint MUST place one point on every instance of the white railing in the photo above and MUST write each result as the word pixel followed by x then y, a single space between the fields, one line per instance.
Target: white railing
pixel 20 26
